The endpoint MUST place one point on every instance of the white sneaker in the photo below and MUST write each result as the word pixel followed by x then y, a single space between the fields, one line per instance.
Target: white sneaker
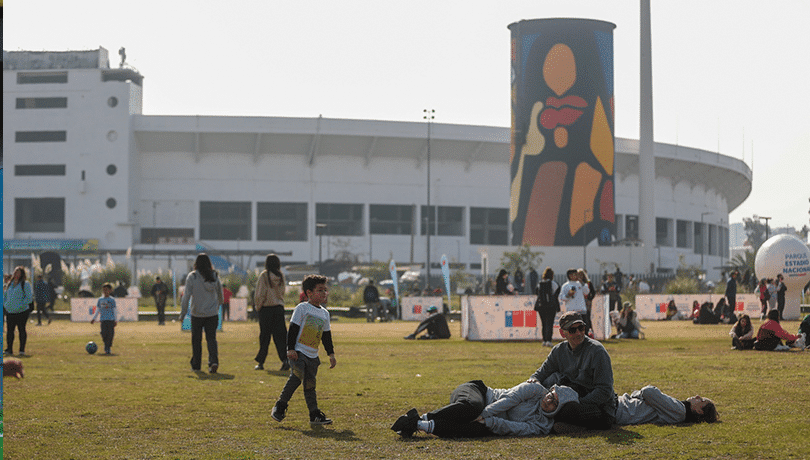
pixel 781 348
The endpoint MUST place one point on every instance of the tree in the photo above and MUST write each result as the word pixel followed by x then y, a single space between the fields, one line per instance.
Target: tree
pixel 754 232
pixel 524 258
pixel 377 271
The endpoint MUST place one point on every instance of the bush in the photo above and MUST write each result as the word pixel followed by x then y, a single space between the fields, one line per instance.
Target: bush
pixel 117 274
pixel 682 285
pixel 233 282
pixel 71 282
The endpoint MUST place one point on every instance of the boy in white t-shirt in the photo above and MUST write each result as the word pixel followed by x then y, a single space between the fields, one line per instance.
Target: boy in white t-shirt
pixel 309 327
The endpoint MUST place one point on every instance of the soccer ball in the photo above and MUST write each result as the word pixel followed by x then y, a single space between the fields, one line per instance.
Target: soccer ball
pixel 91 347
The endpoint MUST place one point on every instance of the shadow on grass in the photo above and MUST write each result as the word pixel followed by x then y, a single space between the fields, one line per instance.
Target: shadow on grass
pixel 206 376
pixel 322 432
pixel 617 435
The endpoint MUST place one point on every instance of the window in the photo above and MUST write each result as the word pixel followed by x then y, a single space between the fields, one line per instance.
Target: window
pixel 39 170
pixel 663 232
pixel 281 221
pixel 388 219
pixel 111 170
pixel 712 240
pixel 41 77
pixel 631 227
pixel 683 233
pixel 39 214
pixel 167 235
pixel 41 102
pixel 40 136
pixel 340 219
pixel 449 220
pixel 225 220
pixel 111 203
pixel 489 226
pixel 619 227
pixel 699 245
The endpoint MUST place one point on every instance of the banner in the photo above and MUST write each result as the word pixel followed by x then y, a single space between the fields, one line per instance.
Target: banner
pixel 446 276
pixel 513 318
pixel 392 269
pixel 415 308
pixel 83 309
pixel 654 307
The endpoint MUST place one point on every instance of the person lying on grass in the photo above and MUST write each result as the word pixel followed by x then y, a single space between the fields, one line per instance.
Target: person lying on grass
pixel 476 410
pixel 651 405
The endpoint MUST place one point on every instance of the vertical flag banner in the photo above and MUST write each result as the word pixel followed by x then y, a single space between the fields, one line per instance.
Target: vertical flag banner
pixel 446 276
pixel 392 269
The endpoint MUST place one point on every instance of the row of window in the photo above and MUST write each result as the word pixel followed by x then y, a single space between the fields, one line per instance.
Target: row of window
pixel 702 237
pixel 232 221
pixel 288 221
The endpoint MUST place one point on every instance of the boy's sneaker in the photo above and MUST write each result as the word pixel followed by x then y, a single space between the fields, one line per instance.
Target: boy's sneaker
pixel 318 418
pixel 279 411
pixel 212 369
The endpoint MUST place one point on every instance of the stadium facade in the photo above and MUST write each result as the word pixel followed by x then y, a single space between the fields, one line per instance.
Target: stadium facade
pixel 87 172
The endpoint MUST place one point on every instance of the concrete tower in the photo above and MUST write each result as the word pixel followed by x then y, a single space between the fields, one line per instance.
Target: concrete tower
pixel 646 158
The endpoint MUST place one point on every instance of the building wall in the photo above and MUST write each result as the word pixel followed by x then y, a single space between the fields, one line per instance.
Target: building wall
pixel 165 166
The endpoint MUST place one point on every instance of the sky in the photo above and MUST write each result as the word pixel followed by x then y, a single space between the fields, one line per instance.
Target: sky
pixel 732 80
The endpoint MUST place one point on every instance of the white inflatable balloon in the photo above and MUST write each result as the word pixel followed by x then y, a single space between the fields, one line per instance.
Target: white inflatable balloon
pixel 787 255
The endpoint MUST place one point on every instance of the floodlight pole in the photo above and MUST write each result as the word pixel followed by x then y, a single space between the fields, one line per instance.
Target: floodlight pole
pixel 429 117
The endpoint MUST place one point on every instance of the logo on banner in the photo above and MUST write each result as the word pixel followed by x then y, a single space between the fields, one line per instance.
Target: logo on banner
pixel 417 309
pixel 521 318
pixel 739 306
pixel 662 308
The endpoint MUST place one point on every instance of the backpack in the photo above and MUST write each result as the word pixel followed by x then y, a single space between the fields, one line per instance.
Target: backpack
pixel 545 296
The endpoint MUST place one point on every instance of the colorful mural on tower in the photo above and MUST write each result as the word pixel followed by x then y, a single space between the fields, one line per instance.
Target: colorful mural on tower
pixel 562 149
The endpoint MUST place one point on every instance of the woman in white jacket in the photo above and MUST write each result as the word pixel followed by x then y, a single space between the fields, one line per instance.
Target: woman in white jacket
pixel 201 299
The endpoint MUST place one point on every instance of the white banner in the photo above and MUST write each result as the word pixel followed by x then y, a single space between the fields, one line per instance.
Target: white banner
pixel 83 309
pixel 654 307
pixel 513 318
pixel 415 308
pixel 238 309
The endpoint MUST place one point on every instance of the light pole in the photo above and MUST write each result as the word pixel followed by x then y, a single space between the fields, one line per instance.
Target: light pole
pixel 429 117
pixel 319 227
pixel 702 239
pixel 584 240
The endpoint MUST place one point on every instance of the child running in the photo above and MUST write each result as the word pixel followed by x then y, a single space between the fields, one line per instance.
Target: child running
pixel 309 326
pixel 109 318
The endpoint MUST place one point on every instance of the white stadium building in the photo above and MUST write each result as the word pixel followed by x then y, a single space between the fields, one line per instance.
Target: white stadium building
pixel 88 173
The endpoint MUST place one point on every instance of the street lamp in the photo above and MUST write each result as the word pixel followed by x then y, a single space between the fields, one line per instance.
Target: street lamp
pixel 702 239
pixel 319 227
pixel 429 117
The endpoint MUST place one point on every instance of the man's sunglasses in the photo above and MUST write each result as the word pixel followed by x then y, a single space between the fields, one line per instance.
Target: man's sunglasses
pixel 580 328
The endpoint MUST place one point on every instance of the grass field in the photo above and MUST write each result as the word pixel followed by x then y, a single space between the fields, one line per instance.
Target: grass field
pixel 144 402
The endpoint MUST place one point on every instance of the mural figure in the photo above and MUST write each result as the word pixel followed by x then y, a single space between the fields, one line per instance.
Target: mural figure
pixel 562 150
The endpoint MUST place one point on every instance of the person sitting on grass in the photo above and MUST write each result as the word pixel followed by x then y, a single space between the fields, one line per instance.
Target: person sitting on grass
pixel 742 334
pixel 435 325
pixel 707 315
pixel 770 335
pixel 628 326
pixel 476 410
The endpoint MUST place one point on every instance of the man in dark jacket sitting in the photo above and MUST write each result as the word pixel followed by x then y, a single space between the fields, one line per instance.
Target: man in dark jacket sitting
pixel 435 324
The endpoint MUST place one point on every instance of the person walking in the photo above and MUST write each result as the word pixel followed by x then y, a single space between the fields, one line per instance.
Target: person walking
pixel 41 290
pixel 159 292
pixel 780 296
pixel 269 301
pixel 202 298
pixel 17 299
